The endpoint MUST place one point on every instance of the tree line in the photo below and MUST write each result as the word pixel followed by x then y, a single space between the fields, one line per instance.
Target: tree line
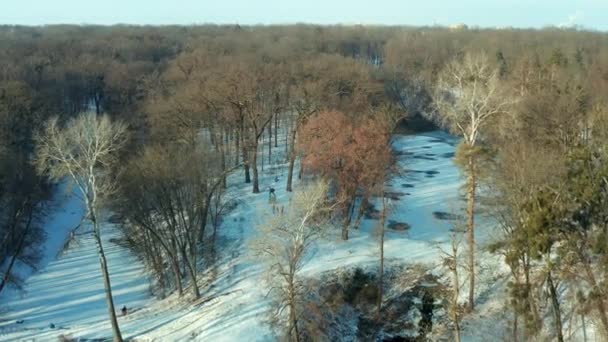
pixel 204 102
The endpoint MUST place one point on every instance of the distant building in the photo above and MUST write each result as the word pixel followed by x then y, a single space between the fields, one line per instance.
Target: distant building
pixel 458 27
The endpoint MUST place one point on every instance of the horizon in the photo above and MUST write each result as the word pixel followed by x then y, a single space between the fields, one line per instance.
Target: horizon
pixel 518 14
pixel 372 25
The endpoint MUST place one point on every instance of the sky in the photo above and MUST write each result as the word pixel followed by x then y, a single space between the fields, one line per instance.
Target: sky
pixel 592 14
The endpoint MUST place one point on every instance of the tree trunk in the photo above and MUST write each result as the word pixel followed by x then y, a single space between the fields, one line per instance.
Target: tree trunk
pixel 381 271
pixel 292 159
pixel 223 159
pixel 106 280
pixel 286 144
pixel 174 255
pixel 293 321
pixel 236 148
pixel 245 150
pixel 192 274
pixel 361 211
pixel 345 229
pixel 204 216
pixel 254 166
pixel 172 252
pixel 276 129
pixel 557 316
pixel 295 327
pixel 472 187
pixel 584 327
pixel 153 252
pixel 269 143
pixel 455 314
pixel 177 275
pixel 246 164
pixel 347 217
pixel 456 285
pixel 530 309
pixel 97 100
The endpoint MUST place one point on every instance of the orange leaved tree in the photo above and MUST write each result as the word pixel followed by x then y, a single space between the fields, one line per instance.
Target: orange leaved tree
pixel 353 154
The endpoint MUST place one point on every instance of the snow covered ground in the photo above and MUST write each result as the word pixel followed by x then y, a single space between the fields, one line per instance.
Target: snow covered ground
pixel 68 292
pixel 65 215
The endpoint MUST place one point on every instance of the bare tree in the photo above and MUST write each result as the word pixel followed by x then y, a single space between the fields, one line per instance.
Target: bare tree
pixel 467 96
pixel 250 95
pixel 169 193
pixel 84 150
pixel 305 100
pixel 284 242
pixel 451 262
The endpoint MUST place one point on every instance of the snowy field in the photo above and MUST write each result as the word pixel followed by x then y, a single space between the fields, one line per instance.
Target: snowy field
pixel 68 291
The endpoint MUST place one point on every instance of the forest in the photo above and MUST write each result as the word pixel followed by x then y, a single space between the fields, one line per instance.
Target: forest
pixel 166 133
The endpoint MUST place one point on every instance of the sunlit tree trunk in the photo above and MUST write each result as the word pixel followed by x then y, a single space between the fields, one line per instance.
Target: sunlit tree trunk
pixel 106 278
pixel 472 188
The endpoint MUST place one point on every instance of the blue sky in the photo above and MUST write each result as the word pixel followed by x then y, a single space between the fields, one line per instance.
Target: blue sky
pixel 487 13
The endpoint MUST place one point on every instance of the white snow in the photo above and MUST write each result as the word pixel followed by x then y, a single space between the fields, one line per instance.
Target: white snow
pixel 66 213
pixel 69 291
